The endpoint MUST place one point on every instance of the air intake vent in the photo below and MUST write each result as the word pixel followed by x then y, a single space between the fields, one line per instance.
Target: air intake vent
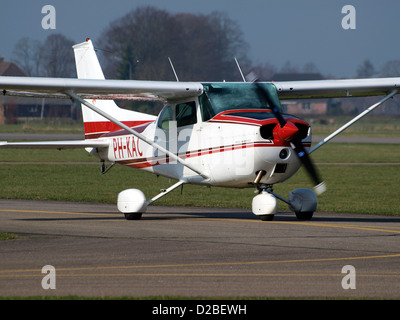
pixel 280 168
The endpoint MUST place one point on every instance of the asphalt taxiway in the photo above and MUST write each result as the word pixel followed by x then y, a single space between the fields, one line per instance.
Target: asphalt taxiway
pixel 195 252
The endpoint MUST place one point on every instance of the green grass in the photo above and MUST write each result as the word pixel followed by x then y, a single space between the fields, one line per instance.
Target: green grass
pixel 50 126
pixel 356 189
pixel 44 155
pixel 370 126
pixel 357 153
pixel 351 188
pixel 7 236
pixel 375 125
pixel 329 153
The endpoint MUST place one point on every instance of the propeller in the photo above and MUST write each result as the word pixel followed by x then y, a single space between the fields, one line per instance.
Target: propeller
pixel 287 132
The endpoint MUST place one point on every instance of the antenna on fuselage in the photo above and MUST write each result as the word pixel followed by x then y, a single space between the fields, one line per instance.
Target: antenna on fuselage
pixel 240 70
pixel 173 69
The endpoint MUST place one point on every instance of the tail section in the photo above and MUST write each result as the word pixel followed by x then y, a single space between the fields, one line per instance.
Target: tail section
pixel 87 64
pixel 88 67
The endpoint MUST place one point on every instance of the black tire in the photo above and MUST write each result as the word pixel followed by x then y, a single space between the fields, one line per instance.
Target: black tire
pixel 133 216
pixel 304 215
pixel 267 217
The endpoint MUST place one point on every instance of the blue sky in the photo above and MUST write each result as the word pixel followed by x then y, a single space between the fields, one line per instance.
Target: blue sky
pixel 276 31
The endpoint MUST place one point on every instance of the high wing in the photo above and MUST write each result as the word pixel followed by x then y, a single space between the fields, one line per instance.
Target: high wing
pixel 167 90
pixel 98 88
pixel 92 85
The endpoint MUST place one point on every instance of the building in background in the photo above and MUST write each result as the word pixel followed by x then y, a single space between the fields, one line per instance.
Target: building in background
pixel 13 109
pixel 304 107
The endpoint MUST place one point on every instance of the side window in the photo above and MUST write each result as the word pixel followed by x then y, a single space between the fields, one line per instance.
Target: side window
pixel 166 116
pixel 186 114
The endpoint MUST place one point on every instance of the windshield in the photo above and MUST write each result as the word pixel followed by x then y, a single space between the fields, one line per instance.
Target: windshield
pixel 219 97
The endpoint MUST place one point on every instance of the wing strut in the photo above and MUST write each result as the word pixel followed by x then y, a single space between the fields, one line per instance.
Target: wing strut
pixel 354 120
pixel 136 134
pixel 164 192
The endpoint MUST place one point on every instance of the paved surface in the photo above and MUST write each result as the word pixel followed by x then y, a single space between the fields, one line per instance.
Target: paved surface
pixel 195 252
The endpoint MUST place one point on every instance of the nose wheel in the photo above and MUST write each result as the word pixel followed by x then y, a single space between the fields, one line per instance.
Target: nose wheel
pixel 303 202
pixel 264 205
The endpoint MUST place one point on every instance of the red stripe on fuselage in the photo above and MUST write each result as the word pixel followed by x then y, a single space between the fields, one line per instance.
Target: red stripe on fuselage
pixel 94 130
pixel 154 161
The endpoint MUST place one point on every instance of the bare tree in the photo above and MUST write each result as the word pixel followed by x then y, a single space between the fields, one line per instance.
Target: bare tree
pixel 202 47
pixel 264 71
pixel 310 67
pixel 391 69
pixel 289 68
pixel 53 58
pixel 27 55
pixel 138 40
pixel 366 70
pixel 58 59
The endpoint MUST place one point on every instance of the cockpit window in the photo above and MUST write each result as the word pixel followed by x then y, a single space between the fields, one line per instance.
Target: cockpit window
pixel 219 97
pixel 184 114
pixel 165 117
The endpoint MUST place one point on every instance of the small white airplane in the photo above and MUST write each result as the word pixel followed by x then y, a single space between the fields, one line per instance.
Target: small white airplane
pixel 224 134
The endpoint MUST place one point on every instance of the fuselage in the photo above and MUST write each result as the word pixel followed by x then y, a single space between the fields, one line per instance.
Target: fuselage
pixel 230 147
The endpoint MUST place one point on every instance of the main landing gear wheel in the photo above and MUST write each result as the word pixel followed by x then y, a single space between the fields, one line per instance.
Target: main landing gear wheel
pixel 304 215
pixel 267 217
pixel 132 203
pixel 303 202
pixel 133 216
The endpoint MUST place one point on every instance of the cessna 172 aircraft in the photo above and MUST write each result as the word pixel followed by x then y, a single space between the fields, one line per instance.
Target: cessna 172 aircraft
pixel 225 134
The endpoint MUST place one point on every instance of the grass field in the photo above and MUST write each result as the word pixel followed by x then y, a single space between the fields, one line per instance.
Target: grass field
pixel 50 126
pixel 351 187
pixel 7 236
pixel 377 126
pixel 370 126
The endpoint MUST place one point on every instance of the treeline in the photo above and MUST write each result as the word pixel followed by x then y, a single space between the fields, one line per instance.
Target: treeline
pixel 137 46
pixel 51 58
pixel 201 47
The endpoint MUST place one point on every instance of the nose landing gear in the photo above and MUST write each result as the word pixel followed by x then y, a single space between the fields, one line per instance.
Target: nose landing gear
pixel 303 202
